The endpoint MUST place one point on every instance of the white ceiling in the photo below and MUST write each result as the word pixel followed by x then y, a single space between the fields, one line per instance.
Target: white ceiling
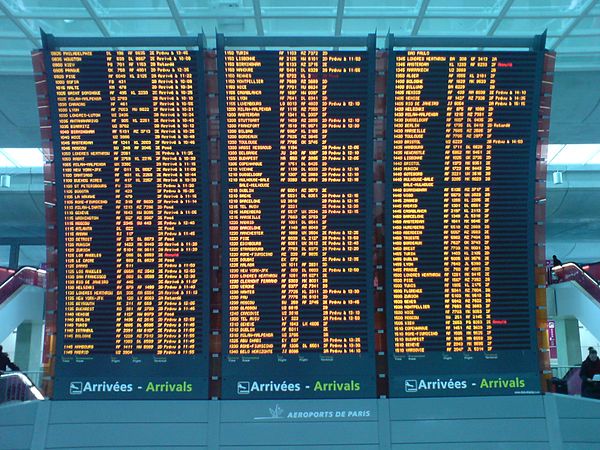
pixel 573 25
pixel 574 154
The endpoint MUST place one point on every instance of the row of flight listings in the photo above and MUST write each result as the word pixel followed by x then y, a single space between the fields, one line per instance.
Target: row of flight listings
pixel 285 246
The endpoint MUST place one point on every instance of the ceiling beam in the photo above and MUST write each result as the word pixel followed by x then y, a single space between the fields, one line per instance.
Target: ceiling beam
pixel 20 25
pixel 353 12
pixel 260 31
pixel 341 5
pixel 177 17
pixel 25 240
pixel 420 17
pixel 581 52
pixel 501 15
pixel 574 23
pixel 94 15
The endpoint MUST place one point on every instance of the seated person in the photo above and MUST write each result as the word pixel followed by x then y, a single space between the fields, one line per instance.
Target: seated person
pixel 589 368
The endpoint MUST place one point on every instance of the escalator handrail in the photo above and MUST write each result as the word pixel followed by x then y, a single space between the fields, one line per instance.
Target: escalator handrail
pixel 25 275
pixel 572 272
pixel 592 269
pixel 23 380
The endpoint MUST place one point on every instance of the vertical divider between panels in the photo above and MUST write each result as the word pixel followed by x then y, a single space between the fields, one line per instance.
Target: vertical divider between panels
pixel 385 197
pixel 381 135
pixel 211 308
pixel 216 125
pixel 374 132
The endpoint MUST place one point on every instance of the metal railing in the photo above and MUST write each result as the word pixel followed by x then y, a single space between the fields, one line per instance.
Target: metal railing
pixel 35 376
pixel 17 387
pixel 25 275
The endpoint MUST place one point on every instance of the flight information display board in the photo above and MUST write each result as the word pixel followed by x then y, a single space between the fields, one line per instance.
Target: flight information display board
pixel 132 192
pixel 459 222
pixel 297 223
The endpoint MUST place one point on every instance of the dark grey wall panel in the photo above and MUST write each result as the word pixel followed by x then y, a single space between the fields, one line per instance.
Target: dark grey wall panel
pixel 307 447
pixel 475 446
pixel 144 447
pixel 128 411
pixel 16 425
pixel 122 435
pixel 581 429
pixel 573 407
pixel 23 415
pixel 587 446
pixel 469 407
pixel 475 423
pixel 15 437
pixel 276 435
pixel 579 421
pixel 470 430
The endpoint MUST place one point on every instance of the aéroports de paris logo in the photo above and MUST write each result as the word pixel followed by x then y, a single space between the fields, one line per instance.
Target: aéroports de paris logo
pixel 243 387
pixel 276 413
pixel 76 388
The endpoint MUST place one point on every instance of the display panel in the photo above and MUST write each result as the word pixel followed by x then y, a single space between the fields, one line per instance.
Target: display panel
pixel 297 223
pixel 459 222
pixel 132 205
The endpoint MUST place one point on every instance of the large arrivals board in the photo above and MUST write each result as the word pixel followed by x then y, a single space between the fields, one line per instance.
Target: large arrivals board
pixel 334 272
pixel 459 222
pixel 297 223
pixel 132 196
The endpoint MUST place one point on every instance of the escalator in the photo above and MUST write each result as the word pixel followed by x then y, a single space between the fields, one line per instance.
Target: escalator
pixel 593 270
pixel 574 291
pixel 17 305
pixel 17 387
pixel 587 277
pixel 11 281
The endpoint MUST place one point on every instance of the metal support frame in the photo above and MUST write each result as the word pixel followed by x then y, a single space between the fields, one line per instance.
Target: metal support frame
pixel 420 17
pixel 350 12
pixel 177 17
pixel 298 41
pixel 51 42
pixel 498 20
pixel 23 240
pixel 94 15
pixel 341 6
pixel 17 21
pixel 260 30
pixel 92 10
pixel 13 261
pixel 574 23
pixel 465 42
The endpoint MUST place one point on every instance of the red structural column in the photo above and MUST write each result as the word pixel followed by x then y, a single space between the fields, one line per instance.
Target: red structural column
pixel 216 300
pixel 379 144
pixel 540 218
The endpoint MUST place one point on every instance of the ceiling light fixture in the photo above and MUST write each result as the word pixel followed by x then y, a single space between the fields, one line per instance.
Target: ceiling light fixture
pixel 557 177
pixel 5 181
